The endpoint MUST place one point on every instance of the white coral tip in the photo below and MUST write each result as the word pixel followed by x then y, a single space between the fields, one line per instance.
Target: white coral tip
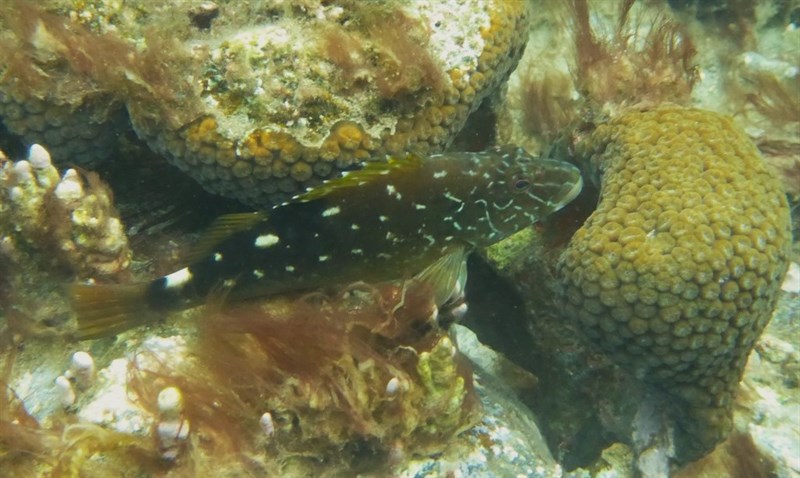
pixel 170 402
pixel 39 157
pixel 22 171
pixel 81 369
pixel 66 394
pixel 70 188
pixel 267 424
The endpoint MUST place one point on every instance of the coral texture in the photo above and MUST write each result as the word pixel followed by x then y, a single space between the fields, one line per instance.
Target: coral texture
pixel 259 106
pixel 51 224
pixel 677 271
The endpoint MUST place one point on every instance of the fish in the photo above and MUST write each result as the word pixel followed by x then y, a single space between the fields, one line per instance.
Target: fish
pixel 402 217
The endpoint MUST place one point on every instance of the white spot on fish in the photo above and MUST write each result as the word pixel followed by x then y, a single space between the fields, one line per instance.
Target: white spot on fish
pixel 357 251
pixel 393 192
pixel 331 211
pixel 289 268
pixel 448 238
pixel 258 273
pixel 457 225
pixel 267 240
pixel 383 218
pixel 324 258
pixel 178 278
pixel 355 227
pixel 430 239
pixel 419 207
pixel 217 257
pixel 450 197
pixel 228 283
pixel 439 174
pixel 503 208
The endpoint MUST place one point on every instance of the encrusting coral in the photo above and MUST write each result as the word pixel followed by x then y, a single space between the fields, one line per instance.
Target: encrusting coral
pixel 677 271
pixel 259 106
pixel 54 226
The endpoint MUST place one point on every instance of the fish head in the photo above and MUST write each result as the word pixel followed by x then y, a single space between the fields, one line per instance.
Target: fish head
pixel 526 188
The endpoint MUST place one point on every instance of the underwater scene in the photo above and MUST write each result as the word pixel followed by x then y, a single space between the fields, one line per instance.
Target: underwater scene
pixel 400 238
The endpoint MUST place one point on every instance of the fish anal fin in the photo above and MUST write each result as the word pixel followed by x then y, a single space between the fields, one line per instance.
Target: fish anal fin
pixel 370 171
pixel 222 228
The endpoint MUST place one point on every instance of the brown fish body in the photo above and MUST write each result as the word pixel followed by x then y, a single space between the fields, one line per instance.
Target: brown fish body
pixel 387 221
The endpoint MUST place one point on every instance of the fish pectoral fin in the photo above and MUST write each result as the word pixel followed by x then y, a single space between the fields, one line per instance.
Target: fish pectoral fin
pixel 370 171
pixel 446 277
pixel 221 229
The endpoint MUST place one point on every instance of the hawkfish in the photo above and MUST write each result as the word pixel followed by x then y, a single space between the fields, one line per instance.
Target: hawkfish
pixel 392 219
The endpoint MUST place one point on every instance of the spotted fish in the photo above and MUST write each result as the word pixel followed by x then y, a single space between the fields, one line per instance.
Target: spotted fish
pixel 389 220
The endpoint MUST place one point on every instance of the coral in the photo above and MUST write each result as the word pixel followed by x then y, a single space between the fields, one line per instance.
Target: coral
pixel 322 384
pixel 345 379
pixel 253 109
pixel 54 226
pixel 46 93
pixel 173 428
pixel 677 271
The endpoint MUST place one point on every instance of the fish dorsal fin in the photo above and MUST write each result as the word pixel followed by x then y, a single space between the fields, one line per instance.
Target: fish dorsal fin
pixel 367 174
pixel 447 276
pixel 222 228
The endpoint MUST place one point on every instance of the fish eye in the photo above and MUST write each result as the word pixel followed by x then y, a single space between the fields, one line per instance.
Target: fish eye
pixel 520 184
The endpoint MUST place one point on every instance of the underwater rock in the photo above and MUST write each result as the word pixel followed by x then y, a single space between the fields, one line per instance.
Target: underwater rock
pixel 677 271
pixel 53 226
pixel 268 99
pixel 504 441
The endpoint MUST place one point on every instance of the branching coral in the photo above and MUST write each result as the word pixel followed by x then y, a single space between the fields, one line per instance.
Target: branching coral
pixel 54 226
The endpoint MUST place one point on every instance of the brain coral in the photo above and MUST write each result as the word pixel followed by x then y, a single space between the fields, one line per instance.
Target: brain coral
pixel 676 273
pixel 261 100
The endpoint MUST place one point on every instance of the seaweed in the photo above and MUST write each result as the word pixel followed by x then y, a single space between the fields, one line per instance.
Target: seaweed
pixel 632 67
pixel 387 50
pixel 346 377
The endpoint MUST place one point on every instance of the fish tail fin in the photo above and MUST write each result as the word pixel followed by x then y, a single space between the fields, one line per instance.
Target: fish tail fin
pixel 106 309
